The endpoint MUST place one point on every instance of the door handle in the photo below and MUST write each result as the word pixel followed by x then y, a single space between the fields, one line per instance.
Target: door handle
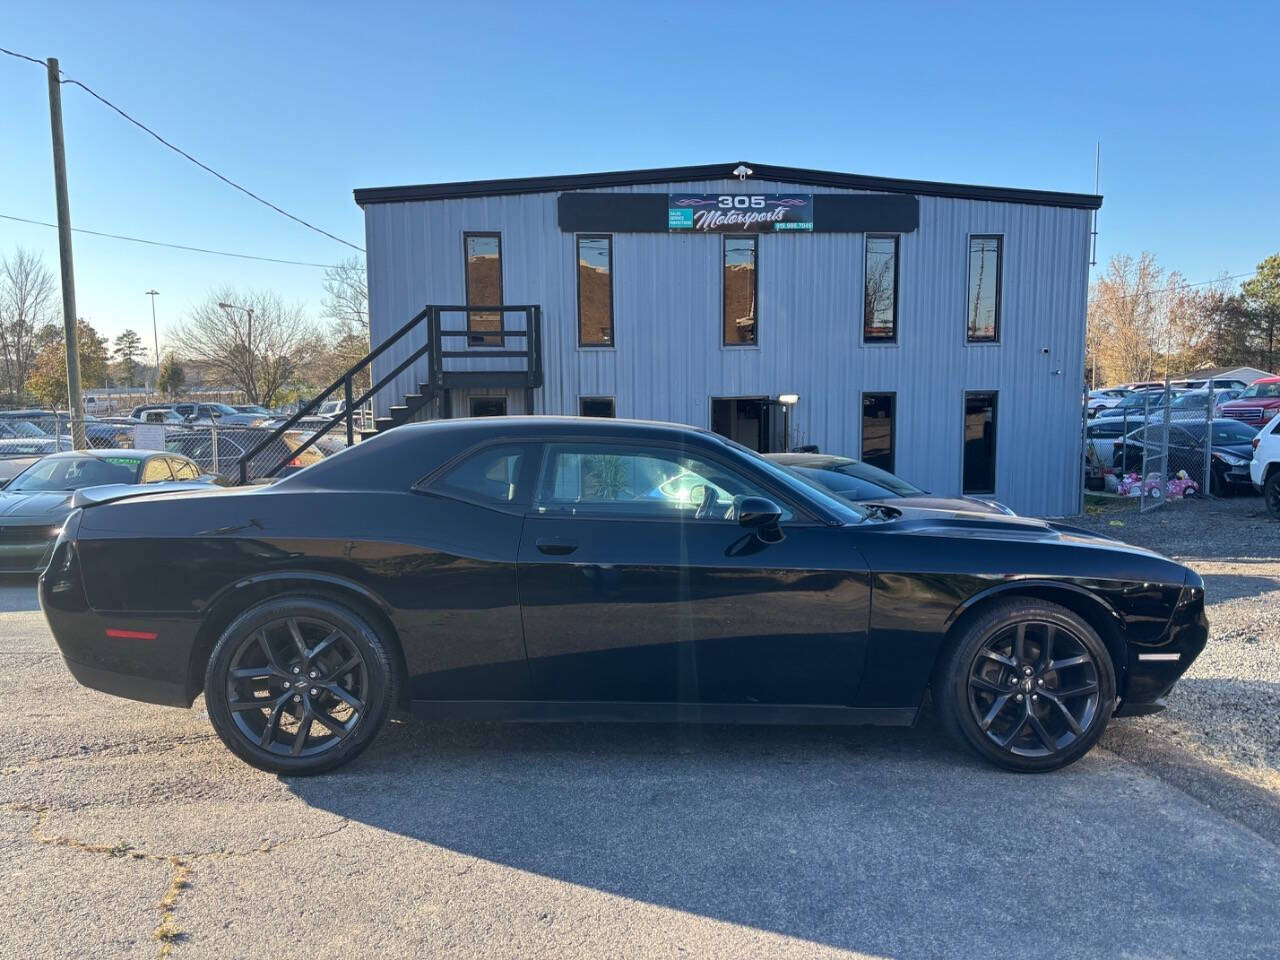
pixel 554 546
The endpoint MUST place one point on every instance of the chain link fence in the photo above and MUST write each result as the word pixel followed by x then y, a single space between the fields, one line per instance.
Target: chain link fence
pixel 215 451
pixel 1165 444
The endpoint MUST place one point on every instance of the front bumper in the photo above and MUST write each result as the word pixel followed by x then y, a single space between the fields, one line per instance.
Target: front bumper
pixel 24 555
pixel 1154 667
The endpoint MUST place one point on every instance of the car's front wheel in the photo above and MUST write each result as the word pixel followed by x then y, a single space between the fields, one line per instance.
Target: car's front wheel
pixel 1027 684
pixel 299 685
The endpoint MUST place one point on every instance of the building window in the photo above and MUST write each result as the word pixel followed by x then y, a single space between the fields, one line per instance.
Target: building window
pixel 595 291
pixel 488 406
pixel 877 429
pixel 484 284
pixel 596 407
pixel 739 290
pixel 980 442
pixel 983 307
pixel 880 299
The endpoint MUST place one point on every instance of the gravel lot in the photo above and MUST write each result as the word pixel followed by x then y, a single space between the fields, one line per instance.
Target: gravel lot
pixel 128 831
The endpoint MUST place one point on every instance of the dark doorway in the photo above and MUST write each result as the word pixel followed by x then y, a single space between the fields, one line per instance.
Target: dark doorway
pixel 756 422
pixel 877 429
pixel 488 406
pixel 980 442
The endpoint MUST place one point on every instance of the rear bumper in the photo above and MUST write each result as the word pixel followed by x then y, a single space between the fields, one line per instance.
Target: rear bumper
pixel 1153 668
pixel 141 658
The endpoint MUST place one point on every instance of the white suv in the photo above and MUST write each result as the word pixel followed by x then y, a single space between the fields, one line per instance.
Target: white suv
pixel 1264 471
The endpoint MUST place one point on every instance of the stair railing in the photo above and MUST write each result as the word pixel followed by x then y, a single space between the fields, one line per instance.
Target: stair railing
pixel 436 364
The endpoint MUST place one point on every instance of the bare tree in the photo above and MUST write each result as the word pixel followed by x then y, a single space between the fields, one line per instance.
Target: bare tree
pixel 29 303
pixel 346 294
pixel 1133 312
pixel 257 353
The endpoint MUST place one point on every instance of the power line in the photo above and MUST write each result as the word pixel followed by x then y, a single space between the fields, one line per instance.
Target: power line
pixel 178 150
pixel 1176 286
pixel 175 246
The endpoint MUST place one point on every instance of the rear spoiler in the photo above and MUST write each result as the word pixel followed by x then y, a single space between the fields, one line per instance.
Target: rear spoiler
pixel 111 492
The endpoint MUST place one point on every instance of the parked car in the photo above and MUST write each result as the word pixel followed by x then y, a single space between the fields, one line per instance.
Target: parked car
pixel 1194 404
pixel 1219 383
pixel 1103 436
pixel 860 482
pixel 56 425
pixel 1230 452
pixel 1264 466
pixel 1134 406
pixel 202 413
pixel 1259 403
pixel 1098 400
pixel 255 409
pixel 517 568
pixel 158 415
pixel 34 504
pixel 234 442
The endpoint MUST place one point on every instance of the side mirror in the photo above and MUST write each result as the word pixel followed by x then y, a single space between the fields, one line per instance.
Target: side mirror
pixel 761 515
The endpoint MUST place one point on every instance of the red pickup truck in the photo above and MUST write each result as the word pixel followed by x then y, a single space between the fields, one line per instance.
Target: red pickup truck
pixel 1259 403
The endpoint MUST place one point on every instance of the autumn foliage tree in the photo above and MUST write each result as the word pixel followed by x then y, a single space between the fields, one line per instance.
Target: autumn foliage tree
pixel 48 380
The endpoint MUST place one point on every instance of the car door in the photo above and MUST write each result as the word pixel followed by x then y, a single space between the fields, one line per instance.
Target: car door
pixel 638 585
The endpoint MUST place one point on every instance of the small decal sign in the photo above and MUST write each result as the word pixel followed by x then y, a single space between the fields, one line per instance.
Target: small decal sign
pixel 739 212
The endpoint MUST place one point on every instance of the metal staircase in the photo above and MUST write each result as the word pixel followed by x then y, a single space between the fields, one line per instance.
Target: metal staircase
pixel 483 360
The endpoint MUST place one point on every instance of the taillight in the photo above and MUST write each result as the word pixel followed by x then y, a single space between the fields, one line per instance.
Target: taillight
pixel 1254 443
pixel 295 462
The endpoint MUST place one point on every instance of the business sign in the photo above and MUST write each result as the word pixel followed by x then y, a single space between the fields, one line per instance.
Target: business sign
pixel 739 212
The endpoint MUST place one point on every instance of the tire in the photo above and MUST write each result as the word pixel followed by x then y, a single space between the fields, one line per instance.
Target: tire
pixel 304 658
pixel 1271 494
pixel 981 677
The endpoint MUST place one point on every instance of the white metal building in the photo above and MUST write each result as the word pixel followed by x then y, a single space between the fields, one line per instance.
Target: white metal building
pixel 934 329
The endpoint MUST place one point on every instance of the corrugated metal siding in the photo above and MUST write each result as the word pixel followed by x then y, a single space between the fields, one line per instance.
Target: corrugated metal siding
pixel 668 361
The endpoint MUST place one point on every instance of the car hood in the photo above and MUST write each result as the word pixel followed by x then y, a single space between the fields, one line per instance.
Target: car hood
pixel 23 507
pixel 900 516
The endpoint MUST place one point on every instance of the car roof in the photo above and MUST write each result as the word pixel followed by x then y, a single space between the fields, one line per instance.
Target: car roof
pixel 102 453
pixel 819 461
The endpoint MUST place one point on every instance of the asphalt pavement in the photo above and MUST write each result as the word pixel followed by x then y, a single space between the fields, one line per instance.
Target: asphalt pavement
pixel 127 830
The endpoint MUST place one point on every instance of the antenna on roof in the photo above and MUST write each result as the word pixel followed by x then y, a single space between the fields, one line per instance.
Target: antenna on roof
pixel 1093 234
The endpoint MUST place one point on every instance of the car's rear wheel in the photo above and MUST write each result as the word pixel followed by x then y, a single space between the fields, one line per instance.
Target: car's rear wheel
pixel 299 685
pixel 1027 684
pixel 1271 494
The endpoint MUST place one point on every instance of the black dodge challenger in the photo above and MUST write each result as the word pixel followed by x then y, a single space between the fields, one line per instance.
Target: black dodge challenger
pixel 583 569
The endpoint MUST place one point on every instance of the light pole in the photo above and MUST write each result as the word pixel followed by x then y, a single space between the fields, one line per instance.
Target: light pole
pixel 253 386
pixel 155 332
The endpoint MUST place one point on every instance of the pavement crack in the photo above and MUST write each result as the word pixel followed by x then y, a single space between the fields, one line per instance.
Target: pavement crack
pixel 167 932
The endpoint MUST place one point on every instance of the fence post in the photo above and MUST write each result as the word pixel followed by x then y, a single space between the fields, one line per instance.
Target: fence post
pixel 213 436
pixel 1207 489
pixel 346 389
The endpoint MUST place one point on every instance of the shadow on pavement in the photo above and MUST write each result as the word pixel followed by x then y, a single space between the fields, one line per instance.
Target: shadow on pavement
pixel 18 592
pixel 883 841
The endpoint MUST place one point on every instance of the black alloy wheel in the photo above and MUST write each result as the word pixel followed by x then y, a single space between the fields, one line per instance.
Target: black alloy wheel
pixel 299 685
pixel 1029 685
pixel 1271 494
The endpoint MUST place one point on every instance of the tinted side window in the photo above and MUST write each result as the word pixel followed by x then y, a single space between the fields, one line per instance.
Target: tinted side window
pixel 182 470
pixel 156 471
pixel 625 480
pixel 490 475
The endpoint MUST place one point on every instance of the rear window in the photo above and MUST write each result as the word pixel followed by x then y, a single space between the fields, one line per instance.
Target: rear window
pixel 491 475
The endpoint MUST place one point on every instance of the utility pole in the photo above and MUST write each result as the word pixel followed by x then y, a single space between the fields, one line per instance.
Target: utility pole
pixel 155 333
pixel 75 405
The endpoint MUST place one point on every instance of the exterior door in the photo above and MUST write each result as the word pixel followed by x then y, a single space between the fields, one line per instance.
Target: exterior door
pixel 637 584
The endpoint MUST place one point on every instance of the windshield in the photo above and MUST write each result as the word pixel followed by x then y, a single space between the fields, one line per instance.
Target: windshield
pixel 72 473
pixel 23 428
pixel 1233 433
pixel 851 488
pixel 222 409
pixel 329 407
pixel 842 508
pixel 880 478
pixel 1262 390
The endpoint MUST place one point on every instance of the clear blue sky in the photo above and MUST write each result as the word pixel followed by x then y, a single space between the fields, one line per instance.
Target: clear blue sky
pixel 302 102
